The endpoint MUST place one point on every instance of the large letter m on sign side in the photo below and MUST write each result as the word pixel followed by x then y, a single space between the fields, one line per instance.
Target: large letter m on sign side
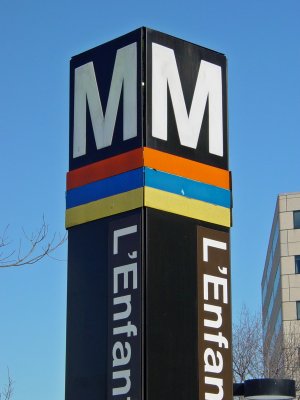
pixel 86 92
pixel 208 88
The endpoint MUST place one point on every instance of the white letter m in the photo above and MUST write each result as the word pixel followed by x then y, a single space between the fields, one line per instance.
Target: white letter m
pixel 86 91
pixel 208 87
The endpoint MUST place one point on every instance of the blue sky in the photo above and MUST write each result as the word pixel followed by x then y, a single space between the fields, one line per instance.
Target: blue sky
pixel 261 41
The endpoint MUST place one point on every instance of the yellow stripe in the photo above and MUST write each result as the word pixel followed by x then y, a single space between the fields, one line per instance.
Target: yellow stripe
pixel 105 207
pixel 187 207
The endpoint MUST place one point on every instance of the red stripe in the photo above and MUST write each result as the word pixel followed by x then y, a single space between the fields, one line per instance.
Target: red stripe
pixel 151 158
pixel 105 168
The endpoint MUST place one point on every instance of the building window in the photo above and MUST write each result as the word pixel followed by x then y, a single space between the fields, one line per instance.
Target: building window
pixel 297 219
pixel 298 309
pixel 297 264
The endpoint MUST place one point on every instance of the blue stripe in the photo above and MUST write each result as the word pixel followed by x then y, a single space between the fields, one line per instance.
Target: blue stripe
pixel 152 178
pixel 187 187
pixel 105 188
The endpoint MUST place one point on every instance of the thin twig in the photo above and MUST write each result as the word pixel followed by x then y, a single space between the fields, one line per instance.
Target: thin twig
pixel 31 249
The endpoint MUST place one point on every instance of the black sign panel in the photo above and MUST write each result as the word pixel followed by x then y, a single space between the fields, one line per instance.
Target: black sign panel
pixel 91 308
pixel 107 80
pixel 171 314
pixel 124 362
pixel 185 101
pixel 173 369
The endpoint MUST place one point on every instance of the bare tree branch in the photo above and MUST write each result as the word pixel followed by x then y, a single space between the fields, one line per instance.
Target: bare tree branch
pixel 7 392
pixel 282 354
pixel 247 352
pixel 31 249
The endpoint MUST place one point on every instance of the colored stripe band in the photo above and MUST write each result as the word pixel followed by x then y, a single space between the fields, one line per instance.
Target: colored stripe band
pixel 148 177
pixel 149 158
pixel 105 207
pixel 191 208
pixel 152 198
pixel 187 187
pixel 186 168
pixel 105 188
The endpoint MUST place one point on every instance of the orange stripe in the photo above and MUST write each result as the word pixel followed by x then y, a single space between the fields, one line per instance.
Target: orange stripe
pixel 186 168
pixel 104 169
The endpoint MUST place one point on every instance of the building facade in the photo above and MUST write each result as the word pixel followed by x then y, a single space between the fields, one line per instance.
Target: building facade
pixel 281 291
